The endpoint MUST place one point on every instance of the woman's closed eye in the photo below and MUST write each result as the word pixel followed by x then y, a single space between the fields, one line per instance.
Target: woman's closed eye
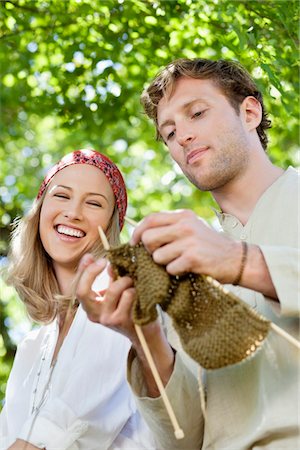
pixel 61 195
pixel 93 203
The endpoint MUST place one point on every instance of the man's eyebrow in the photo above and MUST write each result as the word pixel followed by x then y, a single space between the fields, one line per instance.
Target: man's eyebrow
pixel 166 123
pixel 184 107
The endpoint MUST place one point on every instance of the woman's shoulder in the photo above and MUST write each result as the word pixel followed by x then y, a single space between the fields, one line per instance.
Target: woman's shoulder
pixel 34 337
pixel 28 349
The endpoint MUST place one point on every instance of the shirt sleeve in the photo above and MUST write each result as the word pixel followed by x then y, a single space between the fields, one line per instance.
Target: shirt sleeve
pixel 283 264
pixel 181 390
pixel 3 429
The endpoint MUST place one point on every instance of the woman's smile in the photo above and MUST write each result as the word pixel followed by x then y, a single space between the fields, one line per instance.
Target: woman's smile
pixel 66 232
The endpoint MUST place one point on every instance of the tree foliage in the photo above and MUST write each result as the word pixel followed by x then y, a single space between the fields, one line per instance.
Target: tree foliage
pixel 72 73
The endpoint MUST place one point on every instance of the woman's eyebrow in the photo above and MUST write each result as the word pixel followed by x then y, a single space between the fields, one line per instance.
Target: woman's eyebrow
pixel 60 186
pixel 97 193
pixel 70 189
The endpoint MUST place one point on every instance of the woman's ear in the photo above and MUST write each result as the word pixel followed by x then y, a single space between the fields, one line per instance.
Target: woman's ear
pixel 252 112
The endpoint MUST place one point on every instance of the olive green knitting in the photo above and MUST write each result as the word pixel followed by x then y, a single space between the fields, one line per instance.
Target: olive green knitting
pixel 216 328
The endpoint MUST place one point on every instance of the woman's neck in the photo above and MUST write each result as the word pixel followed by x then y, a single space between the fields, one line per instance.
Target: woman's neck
pixel 65 277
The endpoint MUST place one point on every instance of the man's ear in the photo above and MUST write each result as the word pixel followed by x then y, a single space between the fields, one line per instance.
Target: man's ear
pixel 252 112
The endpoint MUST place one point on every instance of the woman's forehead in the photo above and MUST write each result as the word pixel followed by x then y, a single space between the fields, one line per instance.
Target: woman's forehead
pixel 84 176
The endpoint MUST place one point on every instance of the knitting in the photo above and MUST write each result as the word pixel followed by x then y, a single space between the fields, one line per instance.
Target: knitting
pixel 215 327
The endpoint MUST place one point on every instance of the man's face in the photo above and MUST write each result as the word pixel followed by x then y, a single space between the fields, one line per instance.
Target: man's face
pixel 204 133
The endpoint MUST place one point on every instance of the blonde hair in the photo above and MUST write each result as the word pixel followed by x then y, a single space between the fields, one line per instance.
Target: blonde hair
pixel 30 270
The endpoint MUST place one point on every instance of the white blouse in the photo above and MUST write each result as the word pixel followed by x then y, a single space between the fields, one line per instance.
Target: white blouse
pixel 83 403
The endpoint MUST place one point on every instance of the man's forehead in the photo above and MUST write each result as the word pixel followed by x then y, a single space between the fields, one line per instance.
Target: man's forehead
pixel 191 87
pixel 184 93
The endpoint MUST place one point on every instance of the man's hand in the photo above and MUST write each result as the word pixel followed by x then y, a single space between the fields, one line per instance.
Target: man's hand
pixel 183 242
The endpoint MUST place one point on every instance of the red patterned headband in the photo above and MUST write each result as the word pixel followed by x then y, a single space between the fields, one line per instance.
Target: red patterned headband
pixel 103 163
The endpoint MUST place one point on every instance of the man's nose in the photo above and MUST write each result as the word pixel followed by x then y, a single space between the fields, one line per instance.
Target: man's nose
pixel 184 136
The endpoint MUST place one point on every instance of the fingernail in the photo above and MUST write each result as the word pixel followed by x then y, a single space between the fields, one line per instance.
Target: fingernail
pixel 86 259
pixel 101 262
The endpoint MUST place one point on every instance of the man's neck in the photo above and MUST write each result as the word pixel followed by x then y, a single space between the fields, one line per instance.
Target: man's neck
pixel 240 196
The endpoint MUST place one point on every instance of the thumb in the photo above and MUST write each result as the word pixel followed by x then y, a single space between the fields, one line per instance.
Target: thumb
pixel 85 261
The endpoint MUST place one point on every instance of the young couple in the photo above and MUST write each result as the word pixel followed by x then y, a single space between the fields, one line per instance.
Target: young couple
pixel 211 116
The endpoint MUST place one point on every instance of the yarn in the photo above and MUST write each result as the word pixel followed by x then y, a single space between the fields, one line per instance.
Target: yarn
pixel 215 327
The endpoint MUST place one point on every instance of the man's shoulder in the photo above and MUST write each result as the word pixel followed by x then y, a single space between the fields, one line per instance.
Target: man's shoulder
pixel 291 175
pixel 287 184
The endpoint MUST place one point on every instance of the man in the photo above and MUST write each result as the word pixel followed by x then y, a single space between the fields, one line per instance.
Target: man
pixel 211 116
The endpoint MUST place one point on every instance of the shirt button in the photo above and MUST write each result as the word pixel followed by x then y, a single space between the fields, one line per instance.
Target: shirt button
pixel 243 237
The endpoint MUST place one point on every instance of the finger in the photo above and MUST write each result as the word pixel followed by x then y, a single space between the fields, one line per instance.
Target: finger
pixel 87 279
pixel 159 237
pixel 111 272
pixel 102 293
pixel 114 293
pixel 126 302
pixel 152 221
pixel 124 309
pixel 178 266
pixel 169 252
pixel 186 262
pixel 86 260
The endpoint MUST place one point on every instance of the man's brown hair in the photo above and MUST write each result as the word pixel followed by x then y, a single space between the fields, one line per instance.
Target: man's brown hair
pixel 233 80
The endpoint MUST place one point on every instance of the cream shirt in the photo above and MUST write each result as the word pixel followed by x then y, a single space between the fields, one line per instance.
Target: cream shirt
pixel 254 404
pixel 88 404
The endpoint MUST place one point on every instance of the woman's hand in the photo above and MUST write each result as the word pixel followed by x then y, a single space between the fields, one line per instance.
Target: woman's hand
pixel 113 308
pixel 19 444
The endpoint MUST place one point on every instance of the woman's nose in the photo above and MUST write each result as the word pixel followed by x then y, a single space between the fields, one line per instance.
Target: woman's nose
pixel 73 212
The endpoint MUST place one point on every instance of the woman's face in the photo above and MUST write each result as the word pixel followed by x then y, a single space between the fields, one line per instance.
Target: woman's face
pixel 78 199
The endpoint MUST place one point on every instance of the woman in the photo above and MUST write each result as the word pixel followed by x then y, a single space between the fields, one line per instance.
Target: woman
pixel 67 388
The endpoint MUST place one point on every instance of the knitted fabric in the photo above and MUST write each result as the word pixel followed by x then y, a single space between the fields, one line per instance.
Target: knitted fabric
pixel 215 327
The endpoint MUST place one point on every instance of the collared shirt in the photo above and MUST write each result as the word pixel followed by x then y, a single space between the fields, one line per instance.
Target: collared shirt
pixel 85 404
pixel 253 404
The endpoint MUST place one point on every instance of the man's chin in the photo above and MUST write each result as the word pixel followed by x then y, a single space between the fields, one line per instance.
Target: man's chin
pixel 201 183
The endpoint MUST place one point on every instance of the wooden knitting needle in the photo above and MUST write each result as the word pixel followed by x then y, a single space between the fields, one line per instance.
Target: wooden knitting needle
pixel 179 434
pixel 285 335
pixel 131 221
